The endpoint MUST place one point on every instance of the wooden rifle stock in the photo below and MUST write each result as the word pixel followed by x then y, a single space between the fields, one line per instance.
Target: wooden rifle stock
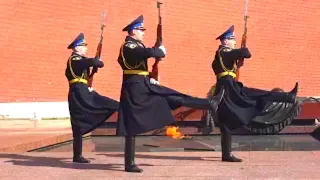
pixel 155 69
pixel 243 44
pixel 98 53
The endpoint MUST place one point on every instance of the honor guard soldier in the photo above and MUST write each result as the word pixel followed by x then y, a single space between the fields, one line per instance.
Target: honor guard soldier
pixel 144 104
pixel 88 109
pixel 241 105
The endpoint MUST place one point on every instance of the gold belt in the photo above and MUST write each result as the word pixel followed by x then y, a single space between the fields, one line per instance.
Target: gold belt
pixel 226 73
pixel 137 72
pixel 78 80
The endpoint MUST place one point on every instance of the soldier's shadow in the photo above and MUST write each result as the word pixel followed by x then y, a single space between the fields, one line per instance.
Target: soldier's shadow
pixel 144 156
pixel 24 160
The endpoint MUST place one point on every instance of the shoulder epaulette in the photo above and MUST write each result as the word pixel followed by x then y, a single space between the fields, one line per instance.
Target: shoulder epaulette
pixel 130 44
pixel 226 49
pixel 76 58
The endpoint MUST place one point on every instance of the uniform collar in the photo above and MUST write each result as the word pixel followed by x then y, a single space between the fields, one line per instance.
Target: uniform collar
pixel 222 46
pixel 129 38
pixel 76 54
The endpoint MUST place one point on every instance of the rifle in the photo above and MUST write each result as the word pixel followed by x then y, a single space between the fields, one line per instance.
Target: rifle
pixel 155 70
pixel 98 53
pixel 244 39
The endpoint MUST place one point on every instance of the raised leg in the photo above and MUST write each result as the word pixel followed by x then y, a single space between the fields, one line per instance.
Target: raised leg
pixel 283 96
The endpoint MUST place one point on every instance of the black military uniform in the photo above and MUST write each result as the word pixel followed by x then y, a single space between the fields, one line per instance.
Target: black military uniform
pixel 88 109
pixel 246 107
pixel 144 106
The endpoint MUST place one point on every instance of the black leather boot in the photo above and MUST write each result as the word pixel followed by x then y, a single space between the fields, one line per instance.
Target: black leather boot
pixel 295 89
pixel 226 147
pixel 77 149
pixel 129 156
pixel 294 92
pixel 277 96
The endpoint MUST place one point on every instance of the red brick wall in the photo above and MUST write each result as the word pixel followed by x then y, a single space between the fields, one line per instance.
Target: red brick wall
pixel 283 37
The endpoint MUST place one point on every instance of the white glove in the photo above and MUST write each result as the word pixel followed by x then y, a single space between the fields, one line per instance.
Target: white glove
pixel 90 89
pixel 153 81
pixel 163 49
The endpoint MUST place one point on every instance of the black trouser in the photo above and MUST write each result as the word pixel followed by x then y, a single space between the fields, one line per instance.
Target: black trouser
pixel 280 97
pixel 77 141
pixel 187 101
pixel 272 95
pixel 226 140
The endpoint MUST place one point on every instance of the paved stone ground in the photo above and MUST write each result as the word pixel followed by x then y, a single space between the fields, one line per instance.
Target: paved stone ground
pixel 257 165
pixel 20 136
pixel 24 135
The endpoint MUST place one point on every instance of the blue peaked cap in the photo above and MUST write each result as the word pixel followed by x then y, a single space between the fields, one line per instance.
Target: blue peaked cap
pixel 227 34
pixel 135 24
pixel 78 41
